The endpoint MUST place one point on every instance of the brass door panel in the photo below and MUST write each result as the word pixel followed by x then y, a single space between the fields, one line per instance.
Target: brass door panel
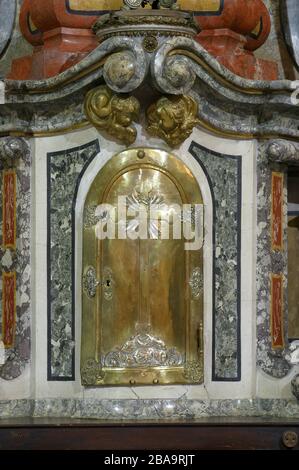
pixel 142 300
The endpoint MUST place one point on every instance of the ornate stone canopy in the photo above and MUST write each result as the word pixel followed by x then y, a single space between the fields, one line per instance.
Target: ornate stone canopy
pixel 227 103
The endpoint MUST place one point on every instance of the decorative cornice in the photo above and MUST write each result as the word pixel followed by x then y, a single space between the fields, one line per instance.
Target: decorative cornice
pixel 11 150
pixel 277 91
pixel 77 77
pixel 228 105
pixel 159 22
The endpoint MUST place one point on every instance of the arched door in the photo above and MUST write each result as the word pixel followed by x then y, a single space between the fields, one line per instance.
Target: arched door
pixel 142 283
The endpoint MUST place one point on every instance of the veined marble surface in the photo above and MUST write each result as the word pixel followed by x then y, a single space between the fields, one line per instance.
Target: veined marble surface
pixel 64 173
pixel 140 410
pixel 268 261
pixel 225 176
pixel 227 102
pixel 8 11
pixel 19 260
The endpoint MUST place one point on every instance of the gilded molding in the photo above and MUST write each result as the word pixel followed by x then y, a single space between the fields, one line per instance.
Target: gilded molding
pixel 90 282
pixel 193 371
pixel 159 20
pixel 91 372
pixel 143 350
pixel 196 283
pixel 112 113
pixel 172 119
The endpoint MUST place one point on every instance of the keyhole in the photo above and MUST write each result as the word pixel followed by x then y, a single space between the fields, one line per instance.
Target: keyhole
pixel 108 283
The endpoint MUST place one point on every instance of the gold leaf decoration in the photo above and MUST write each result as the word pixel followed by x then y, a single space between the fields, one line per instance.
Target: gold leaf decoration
pixel 172 118
pixel 112 113
pixel 91 373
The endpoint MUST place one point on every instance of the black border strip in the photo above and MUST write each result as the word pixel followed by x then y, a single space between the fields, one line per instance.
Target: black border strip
pixel 252 35
pixel 83 12
pixel 51 377
pixel 238 158
pixel 210 13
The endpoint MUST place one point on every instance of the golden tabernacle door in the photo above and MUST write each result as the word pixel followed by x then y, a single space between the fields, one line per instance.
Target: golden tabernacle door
pixel 142 279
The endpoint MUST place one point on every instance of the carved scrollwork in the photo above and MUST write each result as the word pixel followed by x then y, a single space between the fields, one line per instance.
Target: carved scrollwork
pixel 172 118
pixel 11 150
pixel 196 283
pixel 119 69
pixel 112 113
pixel 193 371
pixel 143 350
pixel 91 372
pixel 108 283
pixel 90 282
pixel 179 72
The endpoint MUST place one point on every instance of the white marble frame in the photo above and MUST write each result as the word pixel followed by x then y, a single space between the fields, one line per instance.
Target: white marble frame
pixel 41 388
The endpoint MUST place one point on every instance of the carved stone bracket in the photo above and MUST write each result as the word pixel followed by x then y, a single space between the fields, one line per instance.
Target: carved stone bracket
pixel 170 118
pixel 11 150
pixel 281 151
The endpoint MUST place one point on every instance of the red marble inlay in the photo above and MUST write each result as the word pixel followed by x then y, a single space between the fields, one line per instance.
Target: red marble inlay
pixel 247 25
pixel 8 309
pixel 277 330
pixel 60 38
pixel 9 209
pixel 277 211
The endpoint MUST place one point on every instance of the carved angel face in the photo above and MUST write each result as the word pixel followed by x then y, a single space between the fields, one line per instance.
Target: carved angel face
pixel 126 109
pixel 167 116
